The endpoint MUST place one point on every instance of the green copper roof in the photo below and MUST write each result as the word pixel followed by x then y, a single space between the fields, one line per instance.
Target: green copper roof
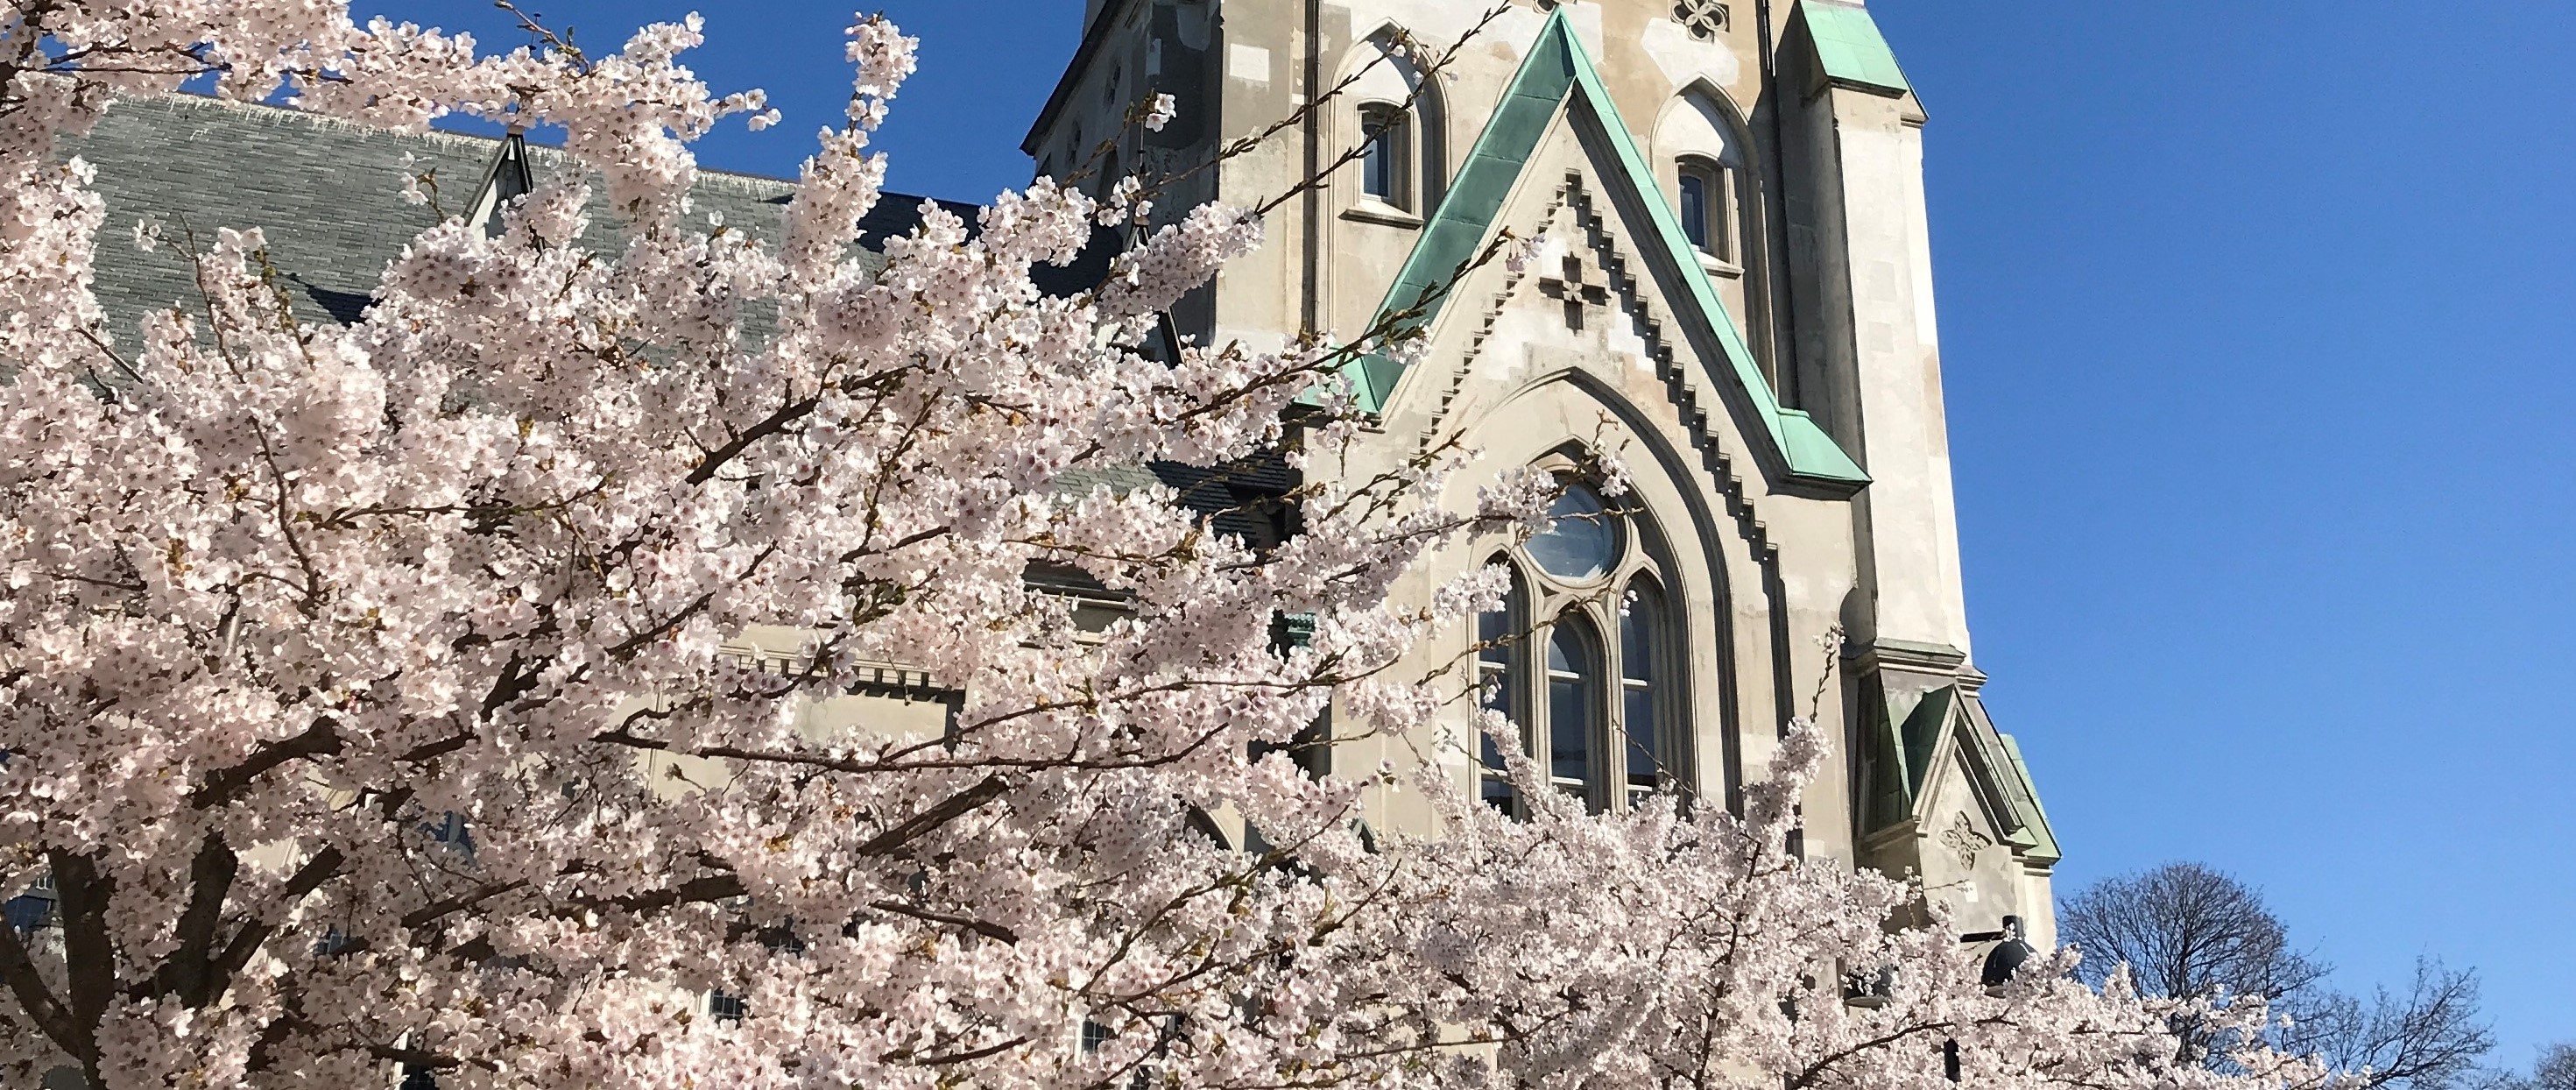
pixel 1921 733
pixel 1896 757
pixel 2035 821
pixel 1559 74
pixel 1850 47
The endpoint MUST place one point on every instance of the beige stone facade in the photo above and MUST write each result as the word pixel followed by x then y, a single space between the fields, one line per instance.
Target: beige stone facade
pixel 1766 155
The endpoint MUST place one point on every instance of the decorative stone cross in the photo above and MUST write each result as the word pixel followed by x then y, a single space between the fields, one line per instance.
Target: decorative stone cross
pixel 1705 18
pixel 1574 287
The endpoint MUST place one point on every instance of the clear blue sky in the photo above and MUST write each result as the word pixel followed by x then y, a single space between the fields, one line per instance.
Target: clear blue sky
pixel 2257 323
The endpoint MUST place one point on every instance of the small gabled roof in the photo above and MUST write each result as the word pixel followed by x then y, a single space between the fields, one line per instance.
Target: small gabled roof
pixel 1559 75
pixel 1901 752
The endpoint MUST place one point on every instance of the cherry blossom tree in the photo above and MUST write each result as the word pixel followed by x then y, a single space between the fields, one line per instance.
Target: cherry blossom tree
pixel 364 703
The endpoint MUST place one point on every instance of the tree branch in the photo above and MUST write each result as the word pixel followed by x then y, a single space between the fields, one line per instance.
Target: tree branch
pixel 957 806
pixel 210 880
pixel 221 788
pixel 776 423
pixel 18 971
pixel 980 927
pixel 714 887
pixel 972 1054
pixel 324 866
pixel 89 956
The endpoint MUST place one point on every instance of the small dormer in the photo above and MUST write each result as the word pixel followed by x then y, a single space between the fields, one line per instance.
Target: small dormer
pixel 510 177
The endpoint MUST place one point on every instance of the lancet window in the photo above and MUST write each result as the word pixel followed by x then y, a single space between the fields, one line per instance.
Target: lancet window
pixel 1398 139
pixel 1386 160
pixel 1710 206
pixel 1600 716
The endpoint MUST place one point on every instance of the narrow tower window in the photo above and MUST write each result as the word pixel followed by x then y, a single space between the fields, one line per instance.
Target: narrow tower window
pixel 1395 144
pixel 1386 158
pixel 1707 203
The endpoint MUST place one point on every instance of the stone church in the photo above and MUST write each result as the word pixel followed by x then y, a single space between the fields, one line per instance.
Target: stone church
pixel 1733 298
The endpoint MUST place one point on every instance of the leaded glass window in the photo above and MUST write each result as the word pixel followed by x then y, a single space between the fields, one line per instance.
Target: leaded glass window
pixel 1497 640
pixel 1640 628
pixel 1580 544
pixel 1598 692
pixel 1573 706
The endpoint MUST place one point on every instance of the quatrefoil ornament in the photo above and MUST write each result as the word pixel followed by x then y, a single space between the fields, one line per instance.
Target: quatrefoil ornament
pixel 1705 18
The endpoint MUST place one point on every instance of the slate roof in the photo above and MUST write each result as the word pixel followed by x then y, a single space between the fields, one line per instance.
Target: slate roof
pixel 328 194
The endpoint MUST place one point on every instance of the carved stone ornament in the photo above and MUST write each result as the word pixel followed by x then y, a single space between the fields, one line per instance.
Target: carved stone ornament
pixel 1964 839
pixel 1576 287
pixel 1705 18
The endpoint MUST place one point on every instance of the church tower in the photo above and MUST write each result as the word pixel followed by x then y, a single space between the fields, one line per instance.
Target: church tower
pixel 1735 299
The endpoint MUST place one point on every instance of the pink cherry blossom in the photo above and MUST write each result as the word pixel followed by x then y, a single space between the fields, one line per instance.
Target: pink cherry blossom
pixel 371 694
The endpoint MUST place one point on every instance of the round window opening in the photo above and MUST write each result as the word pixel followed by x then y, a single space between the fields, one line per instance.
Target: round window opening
pixel 1579 544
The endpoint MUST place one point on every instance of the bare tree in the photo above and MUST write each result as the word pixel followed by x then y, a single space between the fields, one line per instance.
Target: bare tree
pixel 2428 1038
pixel 2555 1070
pixel 2184 929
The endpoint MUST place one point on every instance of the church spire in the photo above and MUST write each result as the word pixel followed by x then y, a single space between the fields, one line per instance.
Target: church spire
pixel 509 178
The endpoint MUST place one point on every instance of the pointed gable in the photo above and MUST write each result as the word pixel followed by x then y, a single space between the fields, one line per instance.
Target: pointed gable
pixel 1948 730
pixel 509 178
pixel 1558 77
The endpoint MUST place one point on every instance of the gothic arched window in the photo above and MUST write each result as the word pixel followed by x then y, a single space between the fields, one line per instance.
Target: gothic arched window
pixel 1710 207
pixel 1714 185
pixel 1386 159
pixel 1604 720
pixel 1397 145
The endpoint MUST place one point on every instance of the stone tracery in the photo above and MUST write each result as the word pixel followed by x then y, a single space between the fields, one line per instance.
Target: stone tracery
pixel 1704 18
